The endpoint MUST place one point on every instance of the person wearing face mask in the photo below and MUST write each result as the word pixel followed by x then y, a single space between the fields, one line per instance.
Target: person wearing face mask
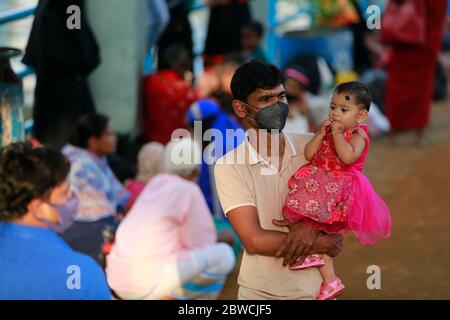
pixel 102 198
pixel 251 182
pixel 67 213
pixel 35 263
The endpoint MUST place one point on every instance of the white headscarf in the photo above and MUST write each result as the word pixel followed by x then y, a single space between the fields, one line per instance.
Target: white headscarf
pixel 150 161
pixel 182 156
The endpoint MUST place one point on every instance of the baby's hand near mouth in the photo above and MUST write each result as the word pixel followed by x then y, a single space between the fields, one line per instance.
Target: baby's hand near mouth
pixel 324 126
pixel 337 127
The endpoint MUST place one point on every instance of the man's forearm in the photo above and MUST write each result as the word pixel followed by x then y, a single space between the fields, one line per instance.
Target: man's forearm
pixel 266 242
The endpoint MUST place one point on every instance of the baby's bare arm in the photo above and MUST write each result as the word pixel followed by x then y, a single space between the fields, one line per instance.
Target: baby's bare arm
pixel 349 152
pixel 313 146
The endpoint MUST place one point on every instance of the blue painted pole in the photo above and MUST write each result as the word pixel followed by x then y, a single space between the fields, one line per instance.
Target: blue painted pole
pixel 271 43
pixel 13 15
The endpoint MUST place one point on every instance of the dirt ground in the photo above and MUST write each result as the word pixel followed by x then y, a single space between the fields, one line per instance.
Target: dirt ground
pixel 415 183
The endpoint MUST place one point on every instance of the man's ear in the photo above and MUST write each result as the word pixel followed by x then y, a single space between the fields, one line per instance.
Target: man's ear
pixel 362 116
pixel 239 108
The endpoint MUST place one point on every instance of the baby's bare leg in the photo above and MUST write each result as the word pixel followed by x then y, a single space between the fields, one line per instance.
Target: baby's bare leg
pixel 327 270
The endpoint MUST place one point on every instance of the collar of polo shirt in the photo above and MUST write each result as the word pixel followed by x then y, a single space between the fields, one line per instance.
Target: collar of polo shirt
pixel 255 157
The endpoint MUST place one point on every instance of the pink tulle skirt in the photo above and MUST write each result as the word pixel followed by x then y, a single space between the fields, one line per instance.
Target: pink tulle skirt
pixel 368 218
pixel 337 202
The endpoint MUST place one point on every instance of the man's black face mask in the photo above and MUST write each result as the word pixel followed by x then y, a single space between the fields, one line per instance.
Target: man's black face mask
pixel 271 117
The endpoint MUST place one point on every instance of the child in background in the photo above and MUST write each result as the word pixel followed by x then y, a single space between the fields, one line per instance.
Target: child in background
pixel 251 37
pixel 330 193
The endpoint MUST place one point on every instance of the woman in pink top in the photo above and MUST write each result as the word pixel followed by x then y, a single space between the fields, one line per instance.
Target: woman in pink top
pixel 167 244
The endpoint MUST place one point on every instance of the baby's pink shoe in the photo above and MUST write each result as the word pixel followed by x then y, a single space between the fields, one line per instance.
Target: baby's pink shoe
pixel 337 288
pixel 312 261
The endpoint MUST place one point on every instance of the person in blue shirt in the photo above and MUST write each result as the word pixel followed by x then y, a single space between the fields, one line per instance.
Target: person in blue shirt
pixel 35 263
pixel 210 115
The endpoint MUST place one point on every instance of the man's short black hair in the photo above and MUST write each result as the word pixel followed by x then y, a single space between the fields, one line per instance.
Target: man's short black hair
pixel 361 92
pixel 256 27
pixel 27 174
pixel 89 125
pixel 254 75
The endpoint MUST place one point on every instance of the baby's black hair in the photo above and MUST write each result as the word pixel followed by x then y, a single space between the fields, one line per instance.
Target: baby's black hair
pixel 361 92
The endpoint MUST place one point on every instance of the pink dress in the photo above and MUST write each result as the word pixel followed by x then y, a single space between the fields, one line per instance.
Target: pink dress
pixel 334 197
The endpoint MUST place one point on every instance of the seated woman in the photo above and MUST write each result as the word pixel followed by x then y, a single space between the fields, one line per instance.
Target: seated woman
pixel 167 95
pixel 101 195
pixel 166 245
pixel 35 263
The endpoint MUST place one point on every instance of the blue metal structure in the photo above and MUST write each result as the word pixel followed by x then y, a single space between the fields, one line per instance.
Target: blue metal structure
pixel 14 15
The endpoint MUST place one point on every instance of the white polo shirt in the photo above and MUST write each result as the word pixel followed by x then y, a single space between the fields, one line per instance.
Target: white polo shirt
pixel 243 179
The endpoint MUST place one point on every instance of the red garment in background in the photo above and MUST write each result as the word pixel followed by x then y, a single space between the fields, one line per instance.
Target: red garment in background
pixel 411 70
pixel 167 97
pixel 135 188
